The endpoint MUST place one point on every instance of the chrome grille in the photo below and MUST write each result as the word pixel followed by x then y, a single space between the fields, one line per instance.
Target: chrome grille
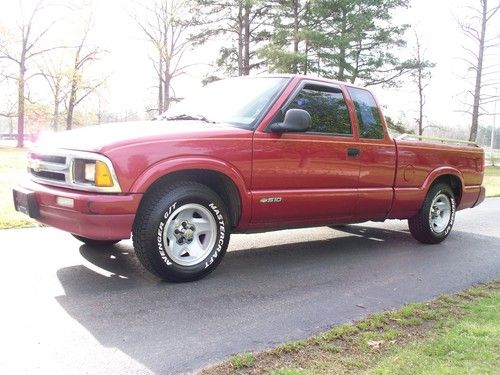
pixel 49 168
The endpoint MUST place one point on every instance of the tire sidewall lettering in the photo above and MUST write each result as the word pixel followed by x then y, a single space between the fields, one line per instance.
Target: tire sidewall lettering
pixel 452 216
pixel 159 239
pixel 221 235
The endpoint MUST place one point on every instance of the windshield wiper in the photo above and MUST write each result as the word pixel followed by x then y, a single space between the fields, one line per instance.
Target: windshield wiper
pixel 184 116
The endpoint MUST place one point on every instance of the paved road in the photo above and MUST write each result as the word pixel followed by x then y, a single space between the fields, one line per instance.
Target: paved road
pixel 69 308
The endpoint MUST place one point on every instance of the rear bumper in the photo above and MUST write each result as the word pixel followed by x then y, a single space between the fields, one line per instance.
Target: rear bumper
pixel 471 197
pixel 97 216
pixel 482 195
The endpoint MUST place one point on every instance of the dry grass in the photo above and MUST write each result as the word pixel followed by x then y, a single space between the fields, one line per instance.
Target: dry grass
pixel 12 171
pixel 492 181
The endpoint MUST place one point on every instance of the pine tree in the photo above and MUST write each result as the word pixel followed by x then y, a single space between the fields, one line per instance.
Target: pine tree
pixel 349 40
pixel 361 40
pixel 244 25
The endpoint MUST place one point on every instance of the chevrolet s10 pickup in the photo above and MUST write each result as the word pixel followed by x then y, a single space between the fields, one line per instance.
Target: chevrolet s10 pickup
pixel 240 155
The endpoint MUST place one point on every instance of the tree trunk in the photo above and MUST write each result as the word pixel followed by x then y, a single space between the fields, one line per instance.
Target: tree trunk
pixel 166 89
pixel 479 74
pixel 55 117
pixel 71 105
pixel 246 40
pixel 20 104
pixel 296 4
pixel 420 103
pixel 160 85
pixel 55 114
pixel 342 49
pixel 240 39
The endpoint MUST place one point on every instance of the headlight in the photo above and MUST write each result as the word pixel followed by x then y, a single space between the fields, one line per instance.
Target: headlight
pixel 94 173
pixel 90 171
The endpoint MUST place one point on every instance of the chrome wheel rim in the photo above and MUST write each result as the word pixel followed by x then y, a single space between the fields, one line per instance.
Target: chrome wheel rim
pixel 190 234
pixel 440 213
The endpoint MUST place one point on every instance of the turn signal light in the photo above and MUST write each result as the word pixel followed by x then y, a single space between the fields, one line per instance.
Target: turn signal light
pixel 102 175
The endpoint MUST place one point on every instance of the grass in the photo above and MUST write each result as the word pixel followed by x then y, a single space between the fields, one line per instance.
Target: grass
pixel 471 345
pixel 492 181
pixel 241 361
pixel 12 170
pixel 453 334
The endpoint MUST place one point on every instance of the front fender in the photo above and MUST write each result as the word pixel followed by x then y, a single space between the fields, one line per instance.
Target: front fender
pixel 168 166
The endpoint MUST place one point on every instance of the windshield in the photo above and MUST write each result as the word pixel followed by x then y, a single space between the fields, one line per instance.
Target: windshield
pixel 236 101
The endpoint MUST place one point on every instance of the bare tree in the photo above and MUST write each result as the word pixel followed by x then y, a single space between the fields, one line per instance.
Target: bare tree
pixel 421 76
pixel 27 49
pixel 79 87
pixel 166 25
pixel 56 77
pixel 475 29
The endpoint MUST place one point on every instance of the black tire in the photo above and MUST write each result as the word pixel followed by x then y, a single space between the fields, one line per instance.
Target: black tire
pixel 421 225
pixel 96 243
pixel 158 214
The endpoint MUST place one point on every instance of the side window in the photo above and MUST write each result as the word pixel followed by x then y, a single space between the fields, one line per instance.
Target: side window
pixel 368 114
pixel 327 107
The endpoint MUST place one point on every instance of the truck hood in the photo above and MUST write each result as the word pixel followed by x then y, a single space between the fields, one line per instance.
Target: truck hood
pixel 99 138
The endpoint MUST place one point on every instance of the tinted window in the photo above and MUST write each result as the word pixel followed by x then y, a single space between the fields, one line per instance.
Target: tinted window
pixel 369 121
pixel 327 108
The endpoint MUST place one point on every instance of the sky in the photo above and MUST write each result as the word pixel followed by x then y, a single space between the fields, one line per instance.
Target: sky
pixel 131 78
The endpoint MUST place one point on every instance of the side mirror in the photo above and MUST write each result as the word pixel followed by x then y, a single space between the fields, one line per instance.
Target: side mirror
pixel 296 121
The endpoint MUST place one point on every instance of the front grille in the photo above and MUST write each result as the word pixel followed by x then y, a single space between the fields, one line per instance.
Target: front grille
pixel 49 168
pixel 56 159
pixel 49 175
pixel 53 159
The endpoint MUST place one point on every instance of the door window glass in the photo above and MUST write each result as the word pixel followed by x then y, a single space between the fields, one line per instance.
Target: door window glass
pixel 327 107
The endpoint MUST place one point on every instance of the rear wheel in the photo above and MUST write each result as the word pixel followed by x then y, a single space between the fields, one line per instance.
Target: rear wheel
pixel 181 231
pixel 97 243
pixel 435 220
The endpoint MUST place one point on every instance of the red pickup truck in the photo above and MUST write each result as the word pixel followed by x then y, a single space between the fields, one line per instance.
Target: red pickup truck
pixel 245 154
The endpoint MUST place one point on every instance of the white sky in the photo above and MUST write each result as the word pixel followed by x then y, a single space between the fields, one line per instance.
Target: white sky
pixel 130 87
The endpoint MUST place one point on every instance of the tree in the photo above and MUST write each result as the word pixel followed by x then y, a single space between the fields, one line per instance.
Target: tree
pixel 166 24
pixel 79 86
pixel 28 47
pixel 57 77
pixel 348 40
pixel 292 34
pixel 244 22
pixel 475 29
pixel 397 127
pixel 421 76
pixel 360 40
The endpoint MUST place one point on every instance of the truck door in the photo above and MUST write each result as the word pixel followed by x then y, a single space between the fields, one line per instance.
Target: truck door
pixel 377 157
pixel 309 177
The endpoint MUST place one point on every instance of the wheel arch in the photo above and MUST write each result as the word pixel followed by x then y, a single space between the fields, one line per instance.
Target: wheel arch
pixel 218 176
pixel 451 177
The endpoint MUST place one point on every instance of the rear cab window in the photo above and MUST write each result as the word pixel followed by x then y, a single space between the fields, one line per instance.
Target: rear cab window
pixel 367 113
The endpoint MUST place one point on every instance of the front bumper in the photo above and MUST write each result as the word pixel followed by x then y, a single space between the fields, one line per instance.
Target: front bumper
pixel 91 215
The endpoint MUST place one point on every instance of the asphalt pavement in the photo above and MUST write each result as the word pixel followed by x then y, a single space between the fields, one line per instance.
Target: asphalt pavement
pixel 72 309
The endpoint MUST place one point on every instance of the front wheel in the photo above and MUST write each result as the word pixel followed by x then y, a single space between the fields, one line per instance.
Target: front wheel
pixel 435 220
pixel 181 231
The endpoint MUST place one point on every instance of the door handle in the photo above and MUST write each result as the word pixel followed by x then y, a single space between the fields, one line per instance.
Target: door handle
pixel 353 152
